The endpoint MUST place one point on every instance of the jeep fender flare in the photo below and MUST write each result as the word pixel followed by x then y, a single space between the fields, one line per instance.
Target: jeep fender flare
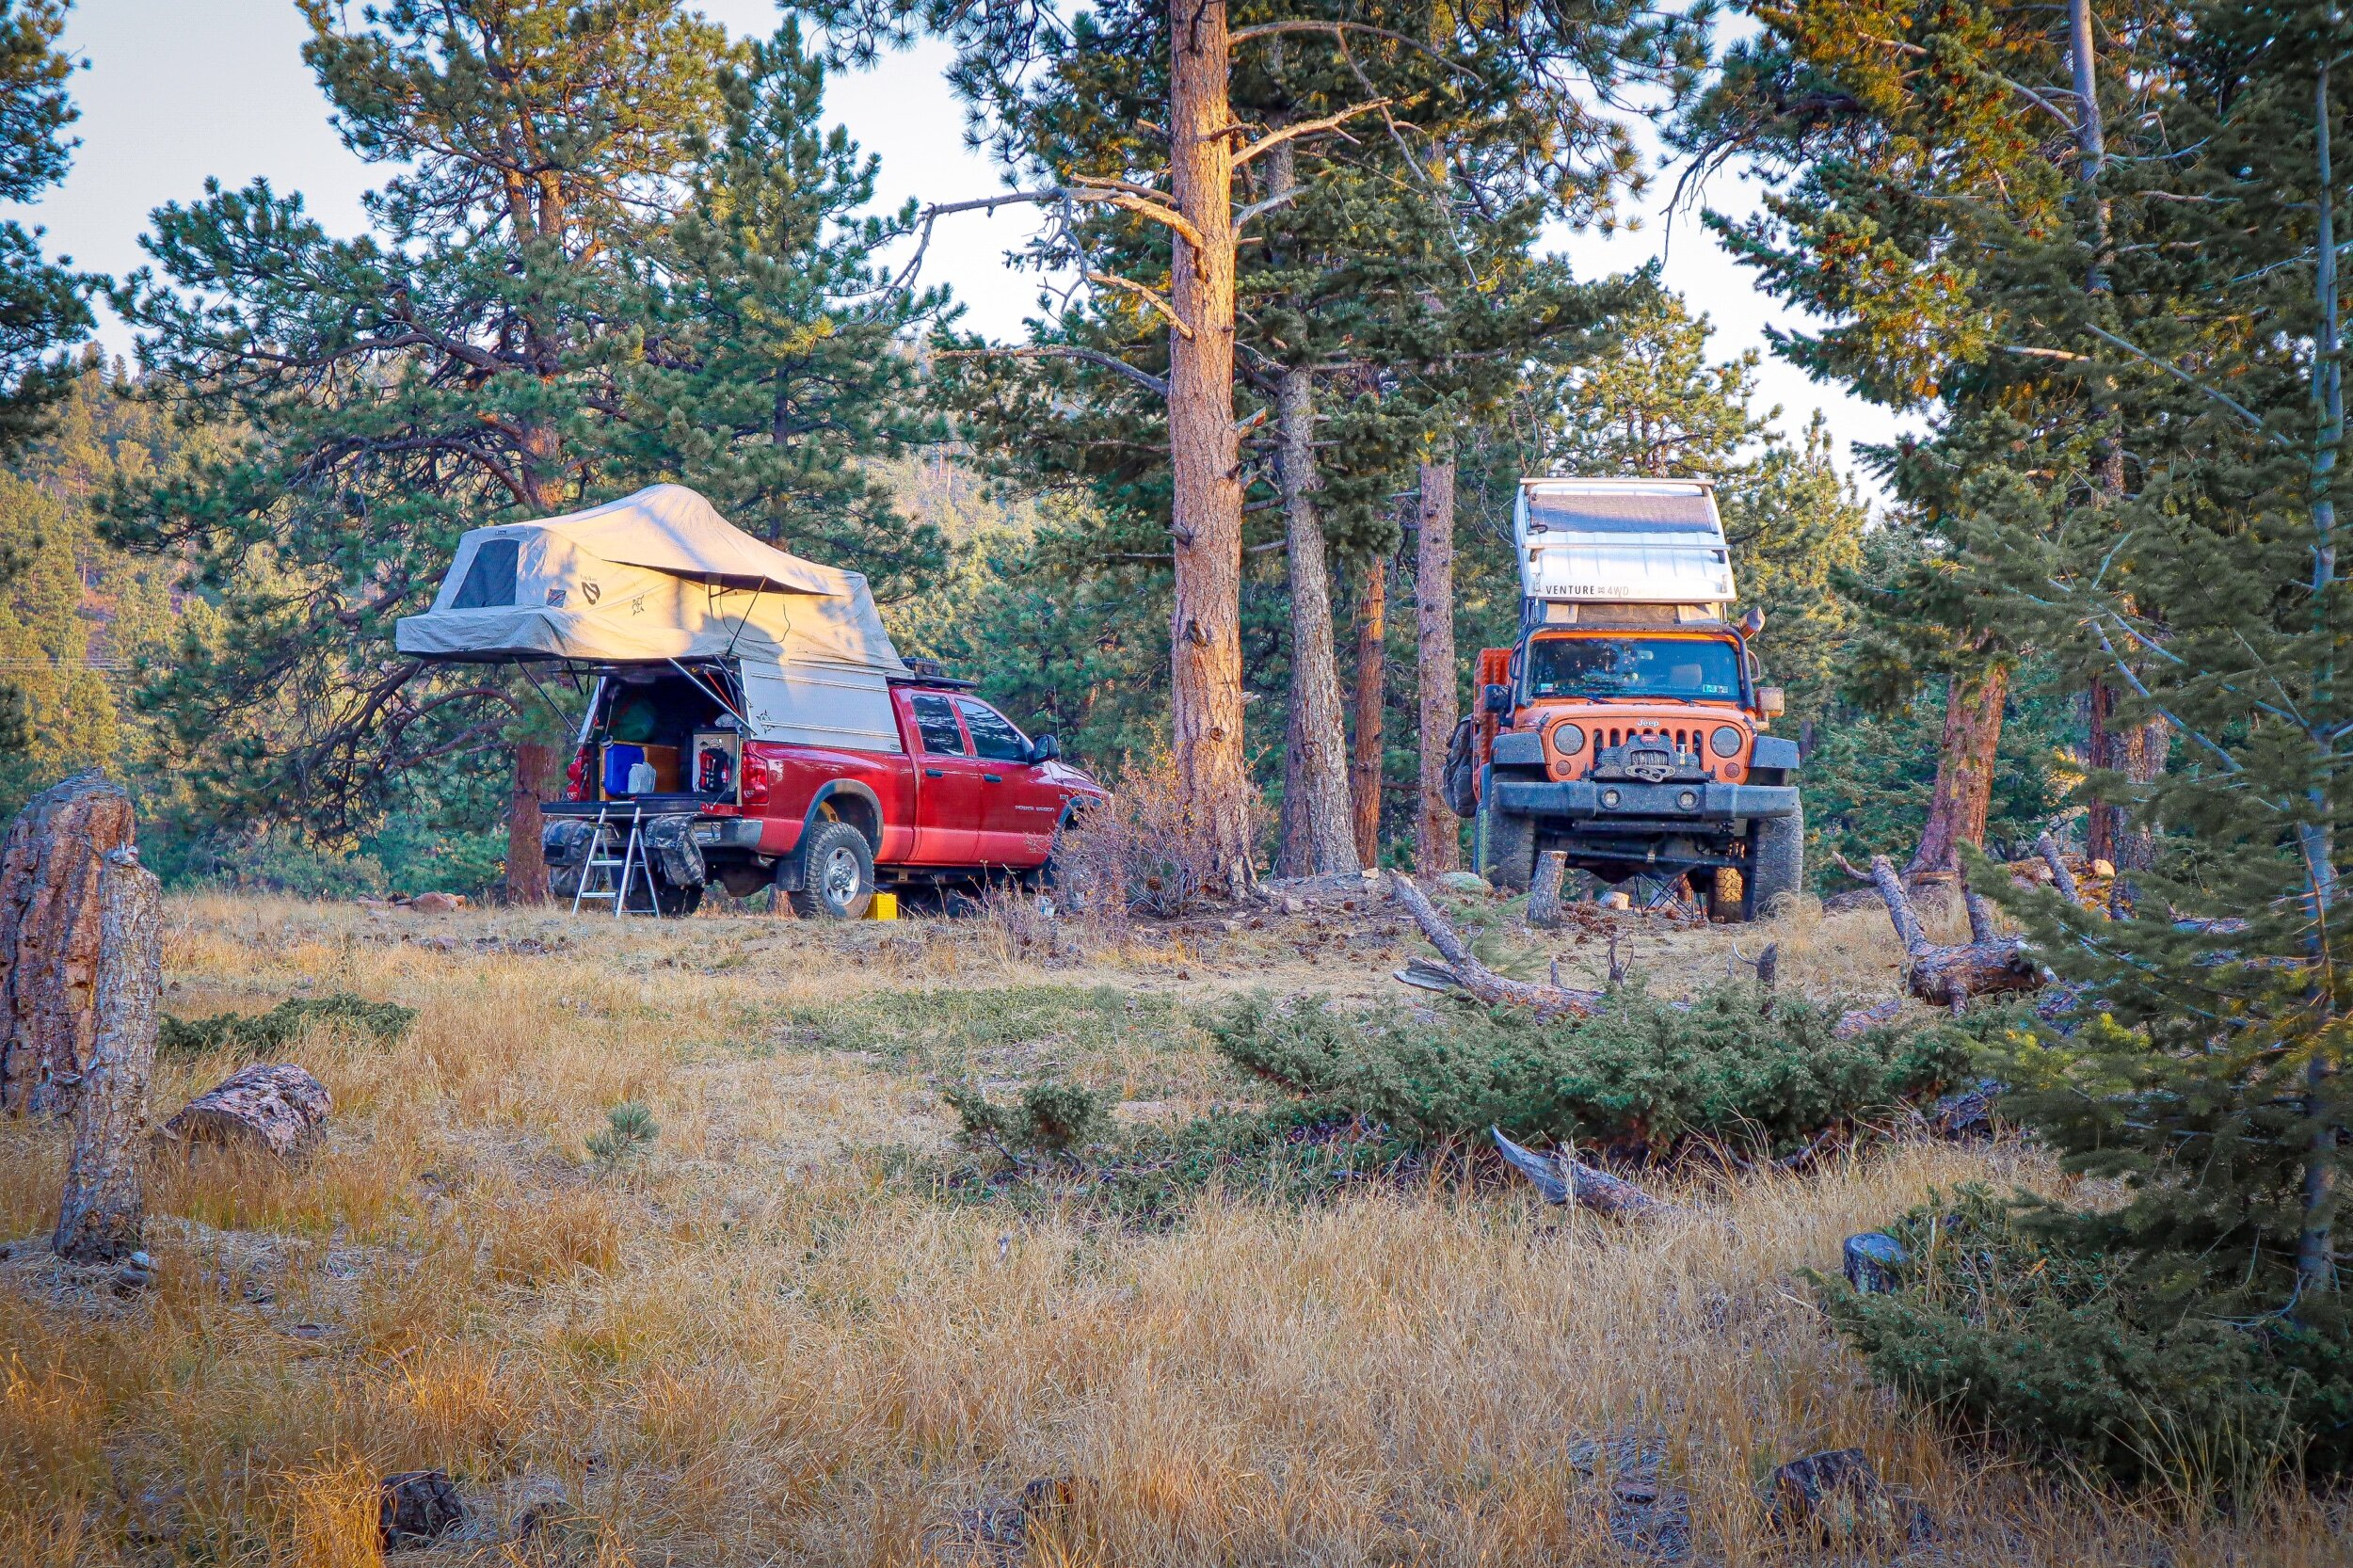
pixel 844 798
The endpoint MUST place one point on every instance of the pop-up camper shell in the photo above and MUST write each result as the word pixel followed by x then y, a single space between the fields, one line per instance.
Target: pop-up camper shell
pixel 659 579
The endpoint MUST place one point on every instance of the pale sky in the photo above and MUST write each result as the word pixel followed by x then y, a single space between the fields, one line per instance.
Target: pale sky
pixel 179 90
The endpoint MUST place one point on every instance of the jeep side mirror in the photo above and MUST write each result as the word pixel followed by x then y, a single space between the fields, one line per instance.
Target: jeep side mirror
pixel 1771 701
pixel 1499 700
pixel 1044 749
pixel 1754 621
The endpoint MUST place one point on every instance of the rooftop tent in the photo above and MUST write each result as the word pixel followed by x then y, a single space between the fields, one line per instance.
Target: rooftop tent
pixel 1654 541
pixel 652 576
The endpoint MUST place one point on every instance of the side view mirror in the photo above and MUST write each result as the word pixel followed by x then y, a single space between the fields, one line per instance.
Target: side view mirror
pixel 1771 701
pixel 1754 621
pixel 1044 749
pixel 1499 700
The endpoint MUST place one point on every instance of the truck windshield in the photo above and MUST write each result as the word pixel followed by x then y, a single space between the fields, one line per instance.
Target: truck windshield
pixel 1685 667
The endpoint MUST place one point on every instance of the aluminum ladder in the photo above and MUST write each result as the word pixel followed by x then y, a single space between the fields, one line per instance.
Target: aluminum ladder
pixel 631 864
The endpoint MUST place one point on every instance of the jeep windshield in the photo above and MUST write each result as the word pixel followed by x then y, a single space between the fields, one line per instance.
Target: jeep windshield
pixel 1681 668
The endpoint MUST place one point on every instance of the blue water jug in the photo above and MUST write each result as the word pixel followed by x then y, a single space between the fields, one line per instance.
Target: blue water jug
pixel 618 758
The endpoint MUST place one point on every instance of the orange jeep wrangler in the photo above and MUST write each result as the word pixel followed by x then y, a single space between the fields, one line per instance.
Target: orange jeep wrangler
pixel 1626 728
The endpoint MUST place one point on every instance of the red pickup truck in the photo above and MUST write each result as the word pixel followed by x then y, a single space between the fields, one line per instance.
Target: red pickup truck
pixel 671 790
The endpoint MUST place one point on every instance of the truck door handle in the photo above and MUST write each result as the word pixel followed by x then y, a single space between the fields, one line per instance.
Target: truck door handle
pixel 992 778
pixel 933 773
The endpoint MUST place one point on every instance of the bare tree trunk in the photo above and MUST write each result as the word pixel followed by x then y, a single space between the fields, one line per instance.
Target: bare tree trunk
pixel 1205 454
pixel 2101 821
pixel 50 939
pixel 104 1205
pixel 1963 793
pixel 537 779
pixel 1372 674
pixel 1437 831
pixel 1318 834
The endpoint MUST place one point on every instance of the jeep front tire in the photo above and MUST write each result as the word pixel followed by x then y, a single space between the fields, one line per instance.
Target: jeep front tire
pixel 1504 849
pixel 1776 866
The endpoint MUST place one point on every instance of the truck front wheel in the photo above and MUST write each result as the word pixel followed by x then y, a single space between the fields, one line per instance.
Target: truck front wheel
pixel 1776 865
pixel 837 874
pixel 1505 849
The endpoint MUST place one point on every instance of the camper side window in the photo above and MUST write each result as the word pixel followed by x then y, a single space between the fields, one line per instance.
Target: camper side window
pixel 490 581
pixel 936 723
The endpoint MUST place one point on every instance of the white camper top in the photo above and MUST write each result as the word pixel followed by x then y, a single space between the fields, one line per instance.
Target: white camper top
pixel 1656 541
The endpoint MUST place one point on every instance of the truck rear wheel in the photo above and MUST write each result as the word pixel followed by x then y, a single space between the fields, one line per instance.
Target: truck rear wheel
pixel 1776 865
pixel 837 874
pixel 1505 849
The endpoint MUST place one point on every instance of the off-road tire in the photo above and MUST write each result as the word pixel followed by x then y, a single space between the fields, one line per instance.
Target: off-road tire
pixel 1505 849
pixel 837 874
pixel 1776 866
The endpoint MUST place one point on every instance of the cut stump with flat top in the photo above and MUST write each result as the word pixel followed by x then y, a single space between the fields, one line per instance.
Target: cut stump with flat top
pixel 50 938
pixel 1543 899
pixel 279 1109
pixel 104 1205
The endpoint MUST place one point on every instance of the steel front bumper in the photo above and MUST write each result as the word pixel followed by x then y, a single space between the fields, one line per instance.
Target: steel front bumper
pixel 1581 800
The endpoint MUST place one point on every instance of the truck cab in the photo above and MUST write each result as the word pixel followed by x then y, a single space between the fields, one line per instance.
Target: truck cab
pixel 1627 726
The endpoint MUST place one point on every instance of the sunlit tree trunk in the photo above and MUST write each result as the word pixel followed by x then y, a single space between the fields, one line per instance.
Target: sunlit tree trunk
pixel 1204 455
pixel 1963 794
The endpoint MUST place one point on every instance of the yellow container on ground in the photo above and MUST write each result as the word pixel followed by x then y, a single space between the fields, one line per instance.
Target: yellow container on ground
pixel 884 907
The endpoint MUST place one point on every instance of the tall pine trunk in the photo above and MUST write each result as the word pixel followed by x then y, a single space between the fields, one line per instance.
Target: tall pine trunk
pixel 537 779
pixel 104 1208
pixel 1963 794
pixel 1318 835
pixel 1371 698
pixel 1205 451
pixel 1437 832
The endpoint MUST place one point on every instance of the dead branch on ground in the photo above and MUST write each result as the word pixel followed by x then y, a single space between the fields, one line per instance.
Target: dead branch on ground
pixel 1551 1001
pixel 1948 976
pixel 1563 1179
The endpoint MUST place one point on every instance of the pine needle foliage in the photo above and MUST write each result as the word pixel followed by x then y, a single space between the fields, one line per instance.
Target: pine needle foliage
pixel 1643 1075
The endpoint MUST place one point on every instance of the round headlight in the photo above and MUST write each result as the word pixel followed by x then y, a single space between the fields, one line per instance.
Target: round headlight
pixel 1568 740
pixel 1725 742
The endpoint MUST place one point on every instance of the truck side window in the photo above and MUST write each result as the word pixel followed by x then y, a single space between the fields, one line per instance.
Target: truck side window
pixel 994 737
pixel 936 723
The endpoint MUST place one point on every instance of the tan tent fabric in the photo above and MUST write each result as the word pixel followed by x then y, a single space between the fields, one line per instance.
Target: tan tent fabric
pixel 655 575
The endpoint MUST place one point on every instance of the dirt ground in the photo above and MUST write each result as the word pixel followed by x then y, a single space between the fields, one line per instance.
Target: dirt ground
pixel 758 1341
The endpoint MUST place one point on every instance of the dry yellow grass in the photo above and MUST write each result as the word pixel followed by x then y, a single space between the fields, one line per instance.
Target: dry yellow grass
pixel 751 1346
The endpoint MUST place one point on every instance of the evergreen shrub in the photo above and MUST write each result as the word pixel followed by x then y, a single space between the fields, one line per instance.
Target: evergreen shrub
pixel 2013 1316
pixel 257 1034
pixel 1640 1075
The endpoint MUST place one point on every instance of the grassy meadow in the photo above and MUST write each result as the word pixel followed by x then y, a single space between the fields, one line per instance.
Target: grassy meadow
pixel 779 1334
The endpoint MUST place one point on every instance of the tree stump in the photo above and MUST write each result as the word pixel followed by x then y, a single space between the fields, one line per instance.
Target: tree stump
pixel 106 1204
pixel 1543 899
pixel 50 939
pixel 273 1110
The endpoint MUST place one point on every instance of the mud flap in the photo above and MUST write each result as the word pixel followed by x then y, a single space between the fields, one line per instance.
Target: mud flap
pixel 670 845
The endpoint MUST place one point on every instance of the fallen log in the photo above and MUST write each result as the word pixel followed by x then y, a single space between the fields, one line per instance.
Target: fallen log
pixel 275 1109
pixel 1563 1178
pixel 1551 1001
pixel 2062 878
pixel 1948 976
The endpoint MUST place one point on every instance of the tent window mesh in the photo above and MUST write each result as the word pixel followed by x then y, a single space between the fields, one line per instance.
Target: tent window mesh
pixel 490 581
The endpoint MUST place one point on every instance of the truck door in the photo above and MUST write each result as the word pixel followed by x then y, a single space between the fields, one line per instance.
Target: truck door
pixel 1017 812
pixel 948 798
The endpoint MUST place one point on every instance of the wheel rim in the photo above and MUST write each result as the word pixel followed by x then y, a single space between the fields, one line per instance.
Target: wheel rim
pixel 841 877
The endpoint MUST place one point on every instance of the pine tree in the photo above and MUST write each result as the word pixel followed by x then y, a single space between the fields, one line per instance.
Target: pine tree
pixel 43 307
pixel 603 259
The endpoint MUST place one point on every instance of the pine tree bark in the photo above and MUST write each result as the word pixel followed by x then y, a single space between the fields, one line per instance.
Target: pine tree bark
pixel 1205 451
pixel 1318 836
pixel 51 938
pixel 1371 701
pixel 1963 793
pixel 1437 832
pixel 537 779
pixel 104 1205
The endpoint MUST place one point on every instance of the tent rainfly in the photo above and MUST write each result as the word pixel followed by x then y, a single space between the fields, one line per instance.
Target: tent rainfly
pixel 658 576
pixel 653 576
